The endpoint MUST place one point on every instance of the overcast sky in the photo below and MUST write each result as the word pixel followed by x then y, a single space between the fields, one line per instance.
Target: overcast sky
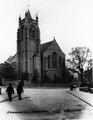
pixel 70 21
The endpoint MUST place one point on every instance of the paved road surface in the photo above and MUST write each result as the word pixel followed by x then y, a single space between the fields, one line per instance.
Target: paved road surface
pixel 47 104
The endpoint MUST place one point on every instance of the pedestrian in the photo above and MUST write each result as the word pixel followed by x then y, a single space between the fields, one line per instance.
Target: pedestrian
pixel 10 91
pixel 89 86
pixel 71 87
pixel 19 90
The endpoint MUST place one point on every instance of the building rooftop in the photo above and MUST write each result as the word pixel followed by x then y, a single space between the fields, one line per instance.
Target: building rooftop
pixel 44 47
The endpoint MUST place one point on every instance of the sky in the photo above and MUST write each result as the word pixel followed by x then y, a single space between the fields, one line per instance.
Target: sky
pixel 69 21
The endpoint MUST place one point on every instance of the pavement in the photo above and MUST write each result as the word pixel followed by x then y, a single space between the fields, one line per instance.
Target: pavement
pixel 47 104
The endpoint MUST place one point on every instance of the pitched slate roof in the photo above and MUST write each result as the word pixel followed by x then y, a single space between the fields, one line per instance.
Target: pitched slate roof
pixel 12 58
pixel 44 47
pixel 9 59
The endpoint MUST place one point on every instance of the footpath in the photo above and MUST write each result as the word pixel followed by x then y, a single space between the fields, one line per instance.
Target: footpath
pixel 83 96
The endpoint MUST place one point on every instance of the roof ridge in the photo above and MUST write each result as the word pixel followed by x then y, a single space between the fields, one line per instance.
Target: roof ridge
pixel 47 42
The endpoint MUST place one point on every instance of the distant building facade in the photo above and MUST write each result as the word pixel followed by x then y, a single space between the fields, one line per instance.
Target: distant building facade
pixel 46 59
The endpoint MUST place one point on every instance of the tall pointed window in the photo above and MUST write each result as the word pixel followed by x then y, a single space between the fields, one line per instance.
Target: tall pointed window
pixel 25 31
pixel 49 62
pixel 32 32
pixel 44 65
pixel 22 30
pixel 60 62
pixel 54 60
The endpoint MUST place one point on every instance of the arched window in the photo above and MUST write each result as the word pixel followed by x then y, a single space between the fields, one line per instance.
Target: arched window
pixel 49 62
pixel 44 65
pixel 60 62
pixel 22 31
pixel 54 60
pixel 32 32
pixel 25 31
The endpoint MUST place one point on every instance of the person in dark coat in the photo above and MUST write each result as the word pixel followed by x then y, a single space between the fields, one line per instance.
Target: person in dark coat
pixel 19 91
pixel 10 91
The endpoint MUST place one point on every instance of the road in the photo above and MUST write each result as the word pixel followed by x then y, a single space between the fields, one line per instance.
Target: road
pixel 47 104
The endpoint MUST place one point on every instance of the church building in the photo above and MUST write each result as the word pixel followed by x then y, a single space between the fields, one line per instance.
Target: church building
pixel 33 58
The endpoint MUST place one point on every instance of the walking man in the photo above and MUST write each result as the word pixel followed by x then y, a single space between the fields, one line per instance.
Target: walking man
pixel 10 91
pixel 19 91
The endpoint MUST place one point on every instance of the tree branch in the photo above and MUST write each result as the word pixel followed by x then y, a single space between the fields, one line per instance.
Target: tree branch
pixel 72 70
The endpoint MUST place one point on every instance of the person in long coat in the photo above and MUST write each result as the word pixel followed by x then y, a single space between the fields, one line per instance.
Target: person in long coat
pixel 10 91
pixel 19 90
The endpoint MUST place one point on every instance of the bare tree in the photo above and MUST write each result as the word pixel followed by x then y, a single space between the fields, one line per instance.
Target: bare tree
pixel 80 59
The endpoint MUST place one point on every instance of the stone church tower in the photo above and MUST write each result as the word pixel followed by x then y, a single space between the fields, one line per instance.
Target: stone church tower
pixel 28 46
